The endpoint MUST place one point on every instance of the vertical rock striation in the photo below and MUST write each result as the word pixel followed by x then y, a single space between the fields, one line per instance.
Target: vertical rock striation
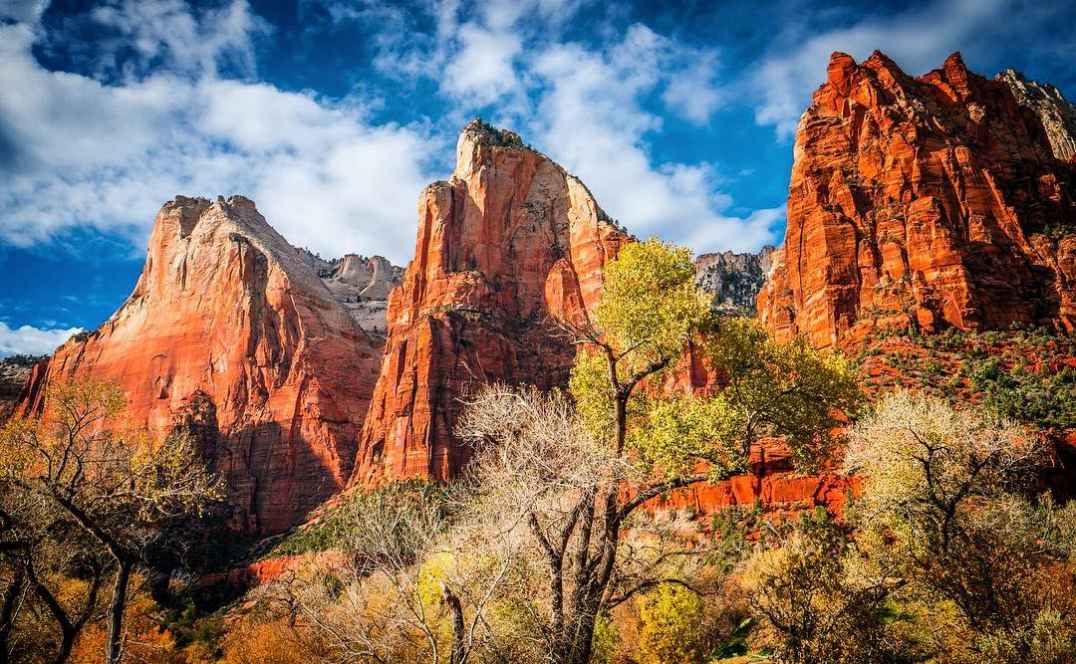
pixel 1057 115
pixel 922 203
pixel 230 333
pixel 507 247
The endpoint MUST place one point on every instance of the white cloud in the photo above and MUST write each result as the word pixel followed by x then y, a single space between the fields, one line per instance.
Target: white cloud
pixel 482 70
pixel 917 39
pixel 26 11
pixel 583 105
pixel 29 340
pixel 89 154
pixel 693 92
pixel 591 119
pixel 167 33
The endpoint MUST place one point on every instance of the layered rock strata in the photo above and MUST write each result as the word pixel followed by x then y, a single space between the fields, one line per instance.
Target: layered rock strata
pixel 507 247
pixel 921 203
pixel 231 334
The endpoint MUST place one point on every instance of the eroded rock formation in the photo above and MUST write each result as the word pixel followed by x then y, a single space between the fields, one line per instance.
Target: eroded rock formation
pixel 361 284
pixel 14 372
pixel 506 247
pixel 1057 115
pixel 922 203
pixel 733 279
pixel 231 334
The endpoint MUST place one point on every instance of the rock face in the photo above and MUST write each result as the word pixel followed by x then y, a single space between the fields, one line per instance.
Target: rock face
pixel 231 334
pixel 1057 115
pixel 361 284
pixel 921 203
pixel 733 279
pixel 14 372
pixel 510 244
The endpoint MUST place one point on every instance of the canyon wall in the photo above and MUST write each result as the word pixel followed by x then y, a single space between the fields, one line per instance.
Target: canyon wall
pixel 921 203
pixel 230 332
pixel 506 248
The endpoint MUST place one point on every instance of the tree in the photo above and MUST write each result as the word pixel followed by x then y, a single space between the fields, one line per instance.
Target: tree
pixel 39 550
pixel 410 589
pixel 947 503
pixel 565 466
pixel 118 487
pixel 817 603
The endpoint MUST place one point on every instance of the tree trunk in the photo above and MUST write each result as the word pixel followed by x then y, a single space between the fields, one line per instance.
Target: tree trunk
pixel 116 610
pixel 458 655
pixel 7 612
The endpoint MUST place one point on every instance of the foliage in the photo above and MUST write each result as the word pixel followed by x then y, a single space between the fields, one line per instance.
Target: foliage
pixel 946 506
pixel 650 303
pixel 671 618
pixel 1043 395
pixel 816 602
pixel 340 525
pixel 77 470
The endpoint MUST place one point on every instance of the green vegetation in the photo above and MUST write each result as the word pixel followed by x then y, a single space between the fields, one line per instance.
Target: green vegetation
pixel 580 532
pixel 1021 375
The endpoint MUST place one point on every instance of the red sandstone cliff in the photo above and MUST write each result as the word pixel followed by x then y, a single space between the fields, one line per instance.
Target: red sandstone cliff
pixel 508 245
pixel 230 332
pixel 922 203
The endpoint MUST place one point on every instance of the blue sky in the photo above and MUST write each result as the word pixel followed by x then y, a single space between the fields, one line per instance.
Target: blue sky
pixel 333 114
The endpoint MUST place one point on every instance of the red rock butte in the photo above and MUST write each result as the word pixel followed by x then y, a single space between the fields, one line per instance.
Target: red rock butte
pixel 921 203
pixel 228 332
pixel 509 245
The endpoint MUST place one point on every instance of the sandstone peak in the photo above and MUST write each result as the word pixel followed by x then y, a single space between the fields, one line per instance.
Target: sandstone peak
pixel 231 333
pixel 923 203
pixel 507 247
pixel 475 142
pixel 1057 115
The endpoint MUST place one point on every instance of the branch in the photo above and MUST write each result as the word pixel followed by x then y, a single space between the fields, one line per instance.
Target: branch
pixel 645 585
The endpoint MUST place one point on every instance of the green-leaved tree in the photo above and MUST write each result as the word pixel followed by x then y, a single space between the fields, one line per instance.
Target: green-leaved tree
pixel 572 478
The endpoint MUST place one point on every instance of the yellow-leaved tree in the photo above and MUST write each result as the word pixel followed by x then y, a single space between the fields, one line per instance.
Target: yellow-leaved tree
pixel 561 474
pixel 77 472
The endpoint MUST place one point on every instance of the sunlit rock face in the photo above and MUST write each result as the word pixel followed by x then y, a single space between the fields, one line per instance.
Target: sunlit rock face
pixel 506 248
pixel 231 333
pixel 921 203
pixel 362 285
pixel 733 279
pixel 1057 115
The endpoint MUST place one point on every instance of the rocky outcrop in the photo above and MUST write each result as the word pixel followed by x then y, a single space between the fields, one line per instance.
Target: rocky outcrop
pixel 507 247
pixel 362 285
pixel 231 334
pixel 921 203
pixel 733 279
pixel 14 372
pixel 1057 115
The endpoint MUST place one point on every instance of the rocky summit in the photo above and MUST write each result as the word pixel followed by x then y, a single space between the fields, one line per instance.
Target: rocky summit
pixel 733 279
pixel 229 332
pixel 923 203
pixel 361 285
pixel 1057 115
pixel 509 246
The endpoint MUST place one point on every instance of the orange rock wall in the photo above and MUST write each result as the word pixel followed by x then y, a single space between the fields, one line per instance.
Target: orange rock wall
pixel 921 203
pixel 228 332
pixel 507 247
